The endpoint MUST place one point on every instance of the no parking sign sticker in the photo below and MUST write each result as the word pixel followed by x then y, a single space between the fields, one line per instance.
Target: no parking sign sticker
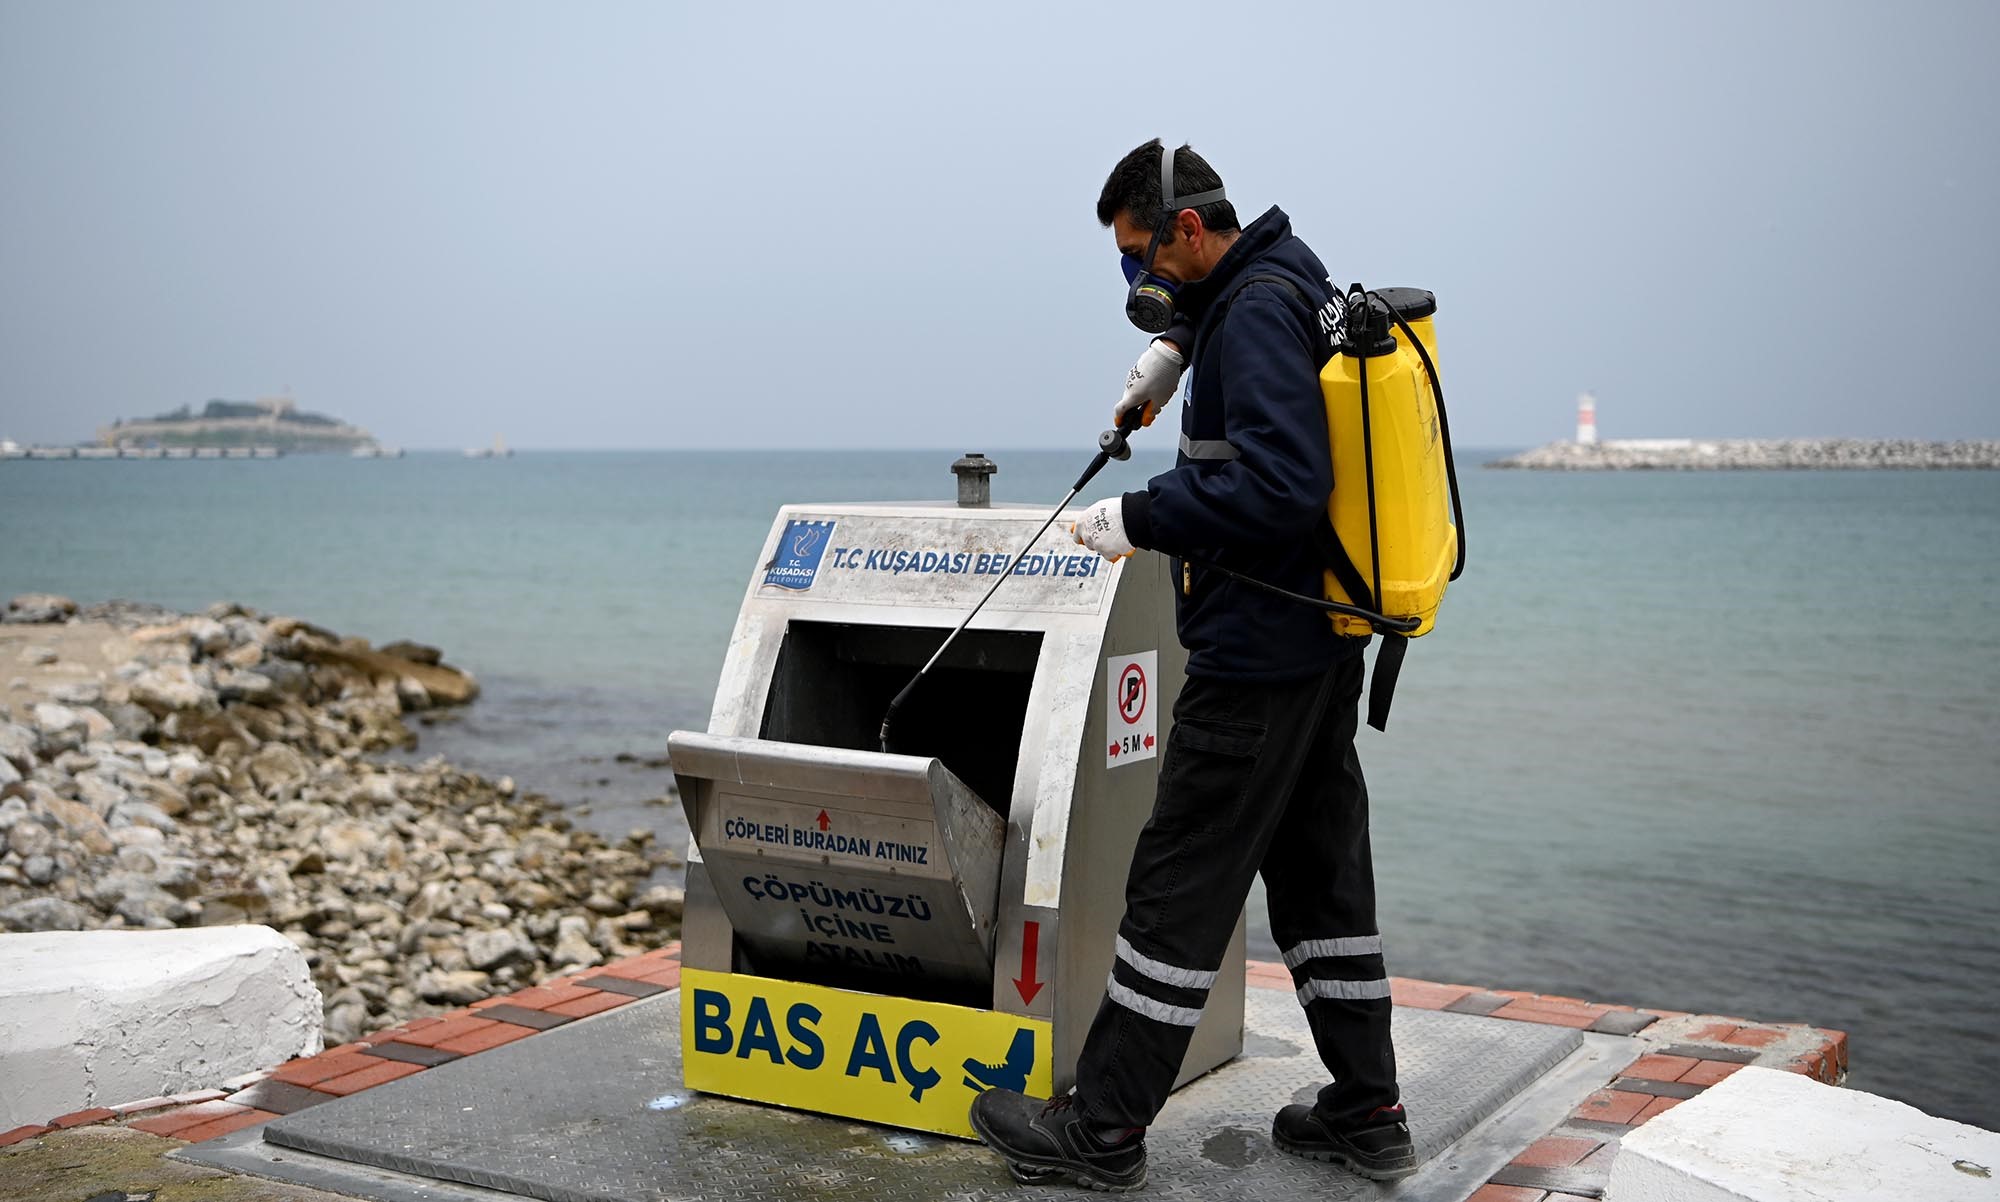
pixel 1131 719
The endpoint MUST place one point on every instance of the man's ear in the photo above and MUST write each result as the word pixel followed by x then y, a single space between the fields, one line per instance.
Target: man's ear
pixel 1188 222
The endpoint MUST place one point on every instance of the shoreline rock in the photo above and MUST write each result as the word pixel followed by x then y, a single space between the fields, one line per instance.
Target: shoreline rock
pixel 1790 454
pixel 213 768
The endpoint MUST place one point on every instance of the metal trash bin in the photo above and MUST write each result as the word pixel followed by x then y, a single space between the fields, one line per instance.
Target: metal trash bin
pixel 881 936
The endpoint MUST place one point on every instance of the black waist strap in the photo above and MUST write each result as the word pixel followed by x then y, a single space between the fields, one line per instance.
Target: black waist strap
pixel 1382 685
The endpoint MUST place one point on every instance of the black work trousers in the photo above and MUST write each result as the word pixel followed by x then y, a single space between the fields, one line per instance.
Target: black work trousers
pixel 1255 778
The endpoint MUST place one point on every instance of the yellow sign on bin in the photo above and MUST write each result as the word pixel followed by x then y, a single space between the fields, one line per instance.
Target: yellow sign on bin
pixel 858 1055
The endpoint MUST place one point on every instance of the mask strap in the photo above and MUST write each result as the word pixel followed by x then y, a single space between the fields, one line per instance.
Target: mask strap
pixel 1170 204
pixel 1152 248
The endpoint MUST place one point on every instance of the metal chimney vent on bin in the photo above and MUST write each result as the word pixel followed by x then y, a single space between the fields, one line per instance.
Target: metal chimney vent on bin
pixel 975 483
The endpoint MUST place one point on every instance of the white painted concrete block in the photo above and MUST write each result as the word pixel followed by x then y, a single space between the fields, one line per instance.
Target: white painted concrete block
pixel 95 1018
pixel 1768 1136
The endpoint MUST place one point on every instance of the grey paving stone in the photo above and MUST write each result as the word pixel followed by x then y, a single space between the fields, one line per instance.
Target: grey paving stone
pixel 621 985
pixel 1659 1089
pixel 1623 1022
pixel 1733 1055
pixel 522 1016
pixel 410 1053
pixel 279 1097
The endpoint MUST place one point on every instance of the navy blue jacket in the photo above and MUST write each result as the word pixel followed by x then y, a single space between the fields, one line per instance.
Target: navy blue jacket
pixel 1254 469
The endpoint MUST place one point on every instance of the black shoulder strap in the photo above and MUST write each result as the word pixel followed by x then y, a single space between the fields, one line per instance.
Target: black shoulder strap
pixel 1285 282
pixel 1389 656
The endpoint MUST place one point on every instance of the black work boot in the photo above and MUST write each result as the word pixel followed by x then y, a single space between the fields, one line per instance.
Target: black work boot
pixel 1377 1147
pixel 1045 1143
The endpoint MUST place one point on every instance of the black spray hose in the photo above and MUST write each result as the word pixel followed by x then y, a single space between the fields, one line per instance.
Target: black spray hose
pixel 1111 445
pixel 1444 432
pixel 1392 625
pixel 1376 620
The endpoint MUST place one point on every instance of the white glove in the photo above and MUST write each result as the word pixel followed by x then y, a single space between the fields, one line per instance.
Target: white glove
pixel 1102 529
pixel 1151 382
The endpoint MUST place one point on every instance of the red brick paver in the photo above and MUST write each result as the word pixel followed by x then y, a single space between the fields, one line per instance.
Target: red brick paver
pixel 323 1067
pixel 548 997
pixel 628 970
pixel 1658 1067
pixel 1505 1193
pixel 1816 1064
pixel 390 1034
pixel 666 976
pixel 583 1007
pixel 490 1036
pixel 23 1133
pixel 174 1122
pixel 1266 975
pixel 1530 1011
pixel 1612 1106
pixel 1707 1072
pixel 382 1072
pixel 1425 995
pixel 444 1032
pixel 216 1128
pixel 78 1118
pixel 1657 1107
pixel 1713 1032
pixel 1754 1037
pixel 1556 1152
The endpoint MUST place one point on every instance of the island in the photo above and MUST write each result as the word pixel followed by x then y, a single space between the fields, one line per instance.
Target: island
pixel 268 424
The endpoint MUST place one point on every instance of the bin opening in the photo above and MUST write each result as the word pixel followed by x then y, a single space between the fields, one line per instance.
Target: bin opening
pixel 833 680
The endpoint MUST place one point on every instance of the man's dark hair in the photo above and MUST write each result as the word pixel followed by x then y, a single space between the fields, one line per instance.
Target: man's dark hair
pixel 1134 188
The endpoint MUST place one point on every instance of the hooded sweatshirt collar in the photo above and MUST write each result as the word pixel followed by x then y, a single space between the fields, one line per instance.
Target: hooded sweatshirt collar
pixel 1252 244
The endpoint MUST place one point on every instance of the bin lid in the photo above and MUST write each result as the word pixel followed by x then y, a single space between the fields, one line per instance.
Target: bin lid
pixel 833 863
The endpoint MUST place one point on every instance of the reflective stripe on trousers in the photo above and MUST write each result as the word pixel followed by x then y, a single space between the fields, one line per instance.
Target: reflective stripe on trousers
pixel 1337 988
pixel 1193 980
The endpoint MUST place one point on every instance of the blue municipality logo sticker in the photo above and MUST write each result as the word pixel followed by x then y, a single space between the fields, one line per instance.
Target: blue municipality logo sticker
pixel 800 549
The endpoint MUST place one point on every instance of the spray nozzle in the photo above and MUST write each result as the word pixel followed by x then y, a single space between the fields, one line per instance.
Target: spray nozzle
pixel 1111 445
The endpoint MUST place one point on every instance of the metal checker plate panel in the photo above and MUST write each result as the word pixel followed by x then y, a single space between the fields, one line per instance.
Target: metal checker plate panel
pixel 594 1112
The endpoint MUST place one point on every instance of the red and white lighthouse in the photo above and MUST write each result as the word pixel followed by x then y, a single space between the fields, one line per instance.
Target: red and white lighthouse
pixel 1586 420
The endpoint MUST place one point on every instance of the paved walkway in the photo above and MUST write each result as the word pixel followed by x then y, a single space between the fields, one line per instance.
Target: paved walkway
pixel 1685 1055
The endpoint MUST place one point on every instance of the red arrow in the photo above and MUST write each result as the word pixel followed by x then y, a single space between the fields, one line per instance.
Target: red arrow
pixel 1114 750
pixel 1031 938
pixel 1149 742
pixel 823 822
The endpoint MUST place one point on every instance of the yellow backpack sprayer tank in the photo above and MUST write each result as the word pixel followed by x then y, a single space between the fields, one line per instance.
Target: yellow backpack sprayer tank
pixel 1393 537
pixel 1397 532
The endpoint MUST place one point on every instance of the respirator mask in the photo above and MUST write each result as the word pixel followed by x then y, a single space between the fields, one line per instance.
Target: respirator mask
pixel 1149 300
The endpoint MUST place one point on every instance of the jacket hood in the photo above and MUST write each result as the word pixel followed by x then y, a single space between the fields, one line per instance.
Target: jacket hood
pixel 1266 242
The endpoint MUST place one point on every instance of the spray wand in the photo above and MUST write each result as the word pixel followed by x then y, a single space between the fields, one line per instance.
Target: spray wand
pixel 1110 445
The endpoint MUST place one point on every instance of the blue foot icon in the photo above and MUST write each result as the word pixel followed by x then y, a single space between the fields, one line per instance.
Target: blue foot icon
pixel 1011 1073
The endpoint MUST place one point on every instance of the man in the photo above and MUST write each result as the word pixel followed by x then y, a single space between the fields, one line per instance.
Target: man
pixel 1259 773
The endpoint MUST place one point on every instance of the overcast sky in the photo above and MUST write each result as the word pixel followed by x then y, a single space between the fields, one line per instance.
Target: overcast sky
pixel 842 225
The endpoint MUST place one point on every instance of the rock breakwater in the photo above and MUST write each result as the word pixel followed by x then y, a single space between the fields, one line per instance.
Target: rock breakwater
pixel 162 769
pixel 1796 454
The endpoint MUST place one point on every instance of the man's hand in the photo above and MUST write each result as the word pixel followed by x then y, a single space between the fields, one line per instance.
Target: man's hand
pixel 1151 382
pixel 1102 529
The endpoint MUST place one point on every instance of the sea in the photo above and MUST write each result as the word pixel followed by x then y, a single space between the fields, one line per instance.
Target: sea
pixel 1717 742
